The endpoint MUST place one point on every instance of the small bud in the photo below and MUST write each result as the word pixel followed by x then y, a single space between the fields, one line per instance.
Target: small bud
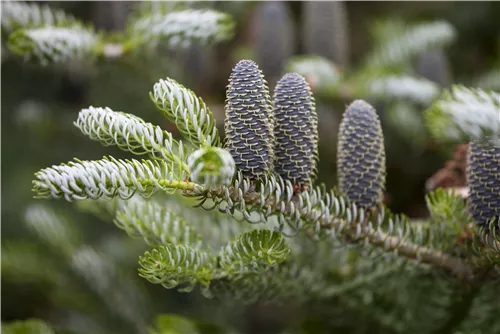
pixel 296 130
pixel 483 174
pixel 361 155
pixel 249 122
pixel 211 166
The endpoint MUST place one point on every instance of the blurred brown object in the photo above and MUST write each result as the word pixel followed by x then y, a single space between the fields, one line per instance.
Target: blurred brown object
pixel 453 175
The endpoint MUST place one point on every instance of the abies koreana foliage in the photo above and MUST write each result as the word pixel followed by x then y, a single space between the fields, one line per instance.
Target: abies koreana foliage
pixel 269 232
pixel 43 35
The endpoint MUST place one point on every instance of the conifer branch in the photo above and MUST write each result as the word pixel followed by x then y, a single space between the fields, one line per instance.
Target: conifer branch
pixel 156 224
pixel 183 28
pixel 17 14
pixel 319 210
pixel 154 6
pixel 107 178
pixel 51 228
pixel 131 133
pixel 276 285
pixel 114 286
pixel 489 235
pixel 320 73
pixel 27 326
pixel 425 255
pixel 191 115
pixel 462 113
pixel 374 271
pixel 26 263
pixel 489 80
pixel 254 251
pixel 450 217
pixel 482 310
pixel 411 42
pixel 47 45
pixel 172 266
pixel 419 90
pixel 376 237
pixel 175 324
pixel 101 274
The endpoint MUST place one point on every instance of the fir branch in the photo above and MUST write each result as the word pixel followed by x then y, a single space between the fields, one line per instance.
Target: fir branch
pixel 17 14
pixel 107 178
pixel 48 45
pixel 483 312
pixel 103 209
pixel 462 113
pixel 131 133
pixel 183 28
pixel 27 326
pixel 254 251
pixel 489 235
pixel 406 119
pixel 277 285
pixel 216 228
pixel 155 6
pixel 156 224
pixel 373 270
pixel 114 286
pixel 386 29
pixel 412 42
pixel 489 80
pixel 191 115
pixel 98 272
pixel 416 300
pixel 320 73
pixel 419 90
pixel 172 266
pixel 51 228
pixel 449 210
pixel 28 263
pixel 451 223
pixel 318 210
pixel 174 324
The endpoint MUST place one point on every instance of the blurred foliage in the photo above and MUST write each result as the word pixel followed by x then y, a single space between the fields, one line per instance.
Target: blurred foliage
pixel 39 105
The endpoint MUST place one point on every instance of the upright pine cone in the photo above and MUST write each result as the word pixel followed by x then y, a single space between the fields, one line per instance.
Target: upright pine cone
pixel 249 120
pixel 296 130
pixel 483 174
pixel 361 155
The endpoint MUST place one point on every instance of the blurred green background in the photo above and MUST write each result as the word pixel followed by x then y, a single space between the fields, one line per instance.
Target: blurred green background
pixel 39 105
